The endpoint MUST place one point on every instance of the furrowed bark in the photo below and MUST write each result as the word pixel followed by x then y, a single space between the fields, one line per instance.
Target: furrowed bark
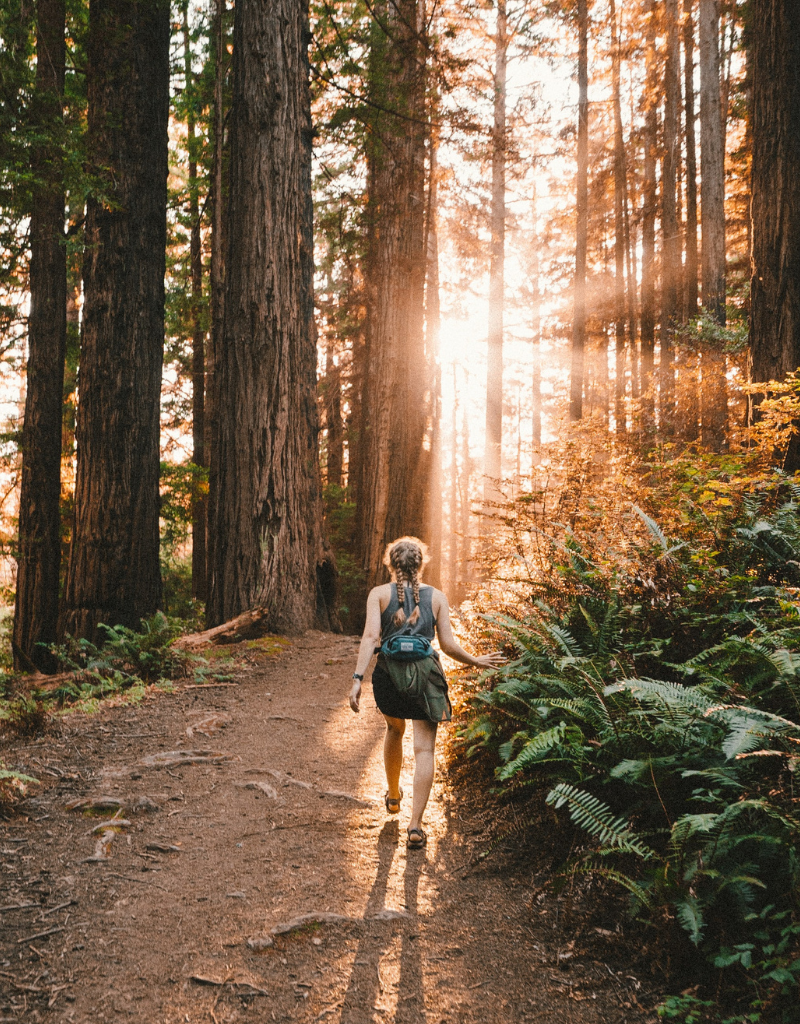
pixel 268 549
pixel 114 574
pixel 39 560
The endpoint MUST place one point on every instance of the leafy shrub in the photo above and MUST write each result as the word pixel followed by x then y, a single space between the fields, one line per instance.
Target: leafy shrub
pixel 655 695
pixel 125 657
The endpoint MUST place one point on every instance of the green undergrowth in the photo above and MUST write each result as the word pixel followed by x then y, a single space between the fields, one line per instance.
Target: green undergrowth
pixel 123 667
pixel 653 699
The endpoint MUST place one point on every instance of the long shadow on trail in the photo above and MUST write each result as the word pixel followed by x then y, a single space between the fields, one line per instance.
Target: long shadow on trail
pixel 366 985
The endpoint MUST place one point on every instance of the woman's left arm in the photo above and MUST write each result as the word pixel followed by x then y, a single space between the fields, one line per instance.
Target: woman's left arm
pixel 369 641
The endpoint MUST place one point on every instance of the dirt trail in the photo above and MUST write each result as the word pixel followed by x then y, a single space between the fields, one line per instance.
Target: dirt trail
pixel 287 821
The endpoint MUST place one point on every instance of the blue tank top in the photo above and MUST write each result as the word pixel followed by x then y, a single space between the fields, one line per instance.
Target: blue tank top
pixel 424 626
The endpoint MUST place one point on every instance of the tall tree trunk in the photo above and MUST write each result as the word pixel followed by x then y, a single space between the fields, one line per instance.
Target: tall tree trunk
pixel 582 225
pixel 712 164
pixel 712 200
pixel 453 562
pixel 691 292
pixel 649 205
pixel 267 507
pixel 465 481
pixel 432 331
pixel 493 450
pixel 114 574
pixel 199 503
pixel 671 244
pixel 217 272
pixel 536 346
pixel 36 610
pixel 775 119
pixel 333 416
pixel 620 184
pixel 394 468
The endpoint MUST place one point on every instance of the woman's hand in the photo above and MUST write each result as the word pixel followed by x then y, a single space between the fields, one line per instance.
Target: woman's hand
pixel 493 660
pixel 355 696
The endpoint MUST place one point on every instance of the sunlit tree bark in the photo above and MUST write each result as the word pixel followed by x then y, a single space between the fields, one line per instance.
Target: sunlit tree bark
pixel 394 468
pixel 493 443
pixel 671 242
pixel 649 205
pixel 691 290
pixel 582 223
pixel 39 559
pixel 432 331
pixel 620 184
pixel 712 205
pixel 114 574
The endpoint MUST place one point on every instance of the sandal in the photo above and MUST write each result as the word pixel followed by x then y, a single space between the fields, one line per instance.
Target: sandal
pixel 392 802
pixel 417 839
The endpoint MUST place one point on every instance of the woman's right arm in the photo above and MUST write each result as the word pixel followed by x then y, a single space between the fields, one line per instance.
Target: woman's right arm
pixel 369 641
pixel 453 649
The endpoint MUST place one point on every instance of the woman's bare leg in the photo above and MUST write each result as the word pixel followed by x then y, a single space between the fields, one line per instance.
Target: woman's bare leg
pixel 393 754
pixel 424 748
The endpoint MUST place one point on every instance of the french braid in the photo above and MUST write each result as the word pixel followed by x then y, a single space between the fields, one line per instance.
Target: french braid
pixel 415 590
pixel 405 559
pixel 399 616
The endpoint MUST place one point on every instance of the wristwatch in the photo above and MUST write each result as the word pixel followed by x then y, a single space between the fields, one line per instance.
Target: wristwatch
pixel 358 677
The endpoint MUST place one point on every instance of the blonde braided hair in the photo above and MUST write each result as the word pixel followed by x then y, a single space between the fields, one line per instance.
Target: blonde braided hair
pixel 405 559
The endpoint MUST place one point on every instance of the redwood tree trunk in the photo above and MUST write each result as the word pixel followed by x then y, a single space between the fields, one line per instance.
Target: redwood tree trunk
pixel 493 442
pixel 199 502
pixel 36 611
pixel 216 272
pixel 267 506
pixel 671 244
pixel 712 164
pixel 649 204
pixel 620 183
pixel 393 467
pixel 433 319
pixel 582 226
pixel 114 574
pixel 775 290
pixel 691 292
pixel 712 206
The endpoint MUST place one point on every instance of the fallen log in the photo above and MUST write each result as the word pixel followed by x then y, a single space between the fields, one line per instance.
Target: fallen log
pixel 249 625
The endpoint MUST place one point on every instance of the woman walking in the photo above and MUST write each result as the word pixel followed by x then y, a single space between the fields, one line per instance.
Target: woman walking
pixel 406 607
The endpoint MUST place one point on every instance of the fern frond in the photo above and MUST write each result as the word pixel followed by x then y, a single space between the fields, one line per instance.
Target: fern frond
pixel 597 818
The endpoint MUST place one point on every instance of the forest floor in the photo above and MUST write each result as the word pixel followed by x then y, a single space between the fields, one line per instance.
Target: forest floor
pixel 195 910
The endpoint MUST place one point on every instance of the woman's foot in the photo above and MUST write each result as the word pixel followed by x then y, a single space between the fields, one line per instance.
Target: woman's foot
pixel 393 802
pixel 417 840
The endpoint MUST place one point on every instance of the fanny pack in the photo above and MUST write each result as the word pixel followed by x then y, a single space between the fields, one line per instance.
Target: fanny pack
pixel 406 648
